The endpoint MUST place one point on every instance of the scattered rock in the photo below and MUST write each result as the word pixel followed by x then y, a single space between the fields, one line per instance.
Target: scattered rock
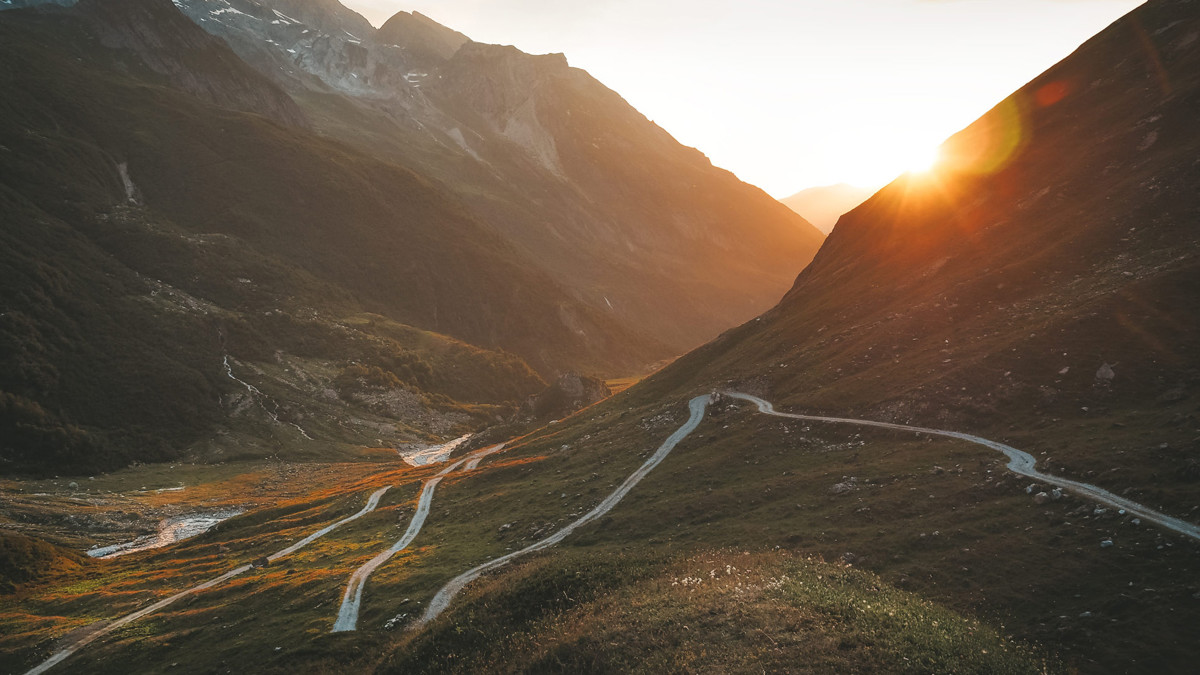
pixel 845 486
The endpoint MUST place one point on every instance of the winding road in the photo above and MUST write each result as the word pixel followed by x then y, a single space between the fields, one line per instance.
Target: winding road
pixel 442 600
pixel 347 618
pixel 1020 462
pixel 83 641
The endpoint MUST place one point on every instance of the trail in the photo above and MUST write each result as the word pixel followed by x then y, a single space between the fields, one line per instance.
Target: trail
pixel 347 618
pixel 61 655
pixel 1019 462
pixel 442 600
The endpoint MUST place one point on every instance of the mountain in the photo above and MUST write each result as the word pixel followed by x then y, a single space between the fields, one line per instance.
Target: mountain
pixel 1039 289
pixel 822 206
pixel 549 158
pixel 193 243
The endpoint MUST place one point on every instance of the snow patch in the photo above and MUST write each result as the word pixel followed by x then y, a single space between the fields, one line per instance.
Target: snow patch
pixel 283 16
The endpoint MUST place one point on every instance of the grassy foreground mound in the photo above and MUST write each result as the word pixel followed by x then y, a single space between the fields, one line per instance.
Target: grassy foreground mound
pixel 715 611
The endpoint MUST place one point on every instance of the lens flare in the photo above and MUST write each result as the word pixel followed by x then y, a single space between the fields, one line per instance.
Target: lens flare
pixel 994 141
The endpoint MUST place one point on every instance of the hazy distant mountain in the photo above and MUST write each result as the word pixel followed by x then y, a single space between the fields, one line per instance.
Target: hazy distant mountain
pixel 822 206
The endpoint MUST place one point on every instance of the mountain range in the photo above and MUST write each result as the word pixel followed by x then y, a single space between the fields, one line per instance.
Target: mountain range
pixel 309 179
pixel 965 439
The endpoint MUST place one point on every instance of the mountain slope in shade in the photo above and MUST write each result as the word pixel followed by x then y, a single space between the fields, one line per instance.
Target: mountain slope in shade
pixel 822 206
pixel 190 233
pixel 163 40
pixel 619 213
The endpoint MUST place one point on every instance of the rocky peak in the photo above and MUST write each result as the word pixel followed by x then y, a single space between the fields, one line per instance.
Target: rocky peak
pixel 425 41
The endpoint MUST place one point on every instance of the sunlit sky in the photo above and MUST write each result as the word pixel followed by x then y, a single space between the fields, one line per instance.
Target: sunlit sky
pixel 790 94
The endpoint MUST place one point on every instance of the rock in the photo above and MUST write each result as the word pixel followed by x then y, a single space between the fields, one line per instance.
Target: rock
pixel 1033 487
pixel 1056 494
pixel 1085 615
pixel 261 562
pixel 73 485
pixel 841 488
pixel 1099 511
pixel 1136 521
pixel 1065 370
pixel 849 558
pixel 1041 498
pixel 570 392
pixel 937 471
pixel 1107 543
pixel 1105 374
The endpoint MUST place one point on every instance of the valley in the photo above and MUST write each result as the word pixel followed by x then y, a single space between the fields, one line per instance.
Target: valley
pixel 331 347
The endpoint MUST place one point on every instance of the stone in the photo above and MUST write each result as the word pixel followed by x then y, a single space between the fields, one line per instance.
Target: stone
pixel 1105 373
pixel 1056 494
pixel 1107 543
pixel 1041 498
pixel 1033 487
pixel 841 488
pixel 261 562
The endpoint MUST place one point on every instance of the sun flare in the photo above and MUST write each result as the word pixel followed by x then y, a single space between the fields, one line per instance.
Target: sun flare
pixel 924 160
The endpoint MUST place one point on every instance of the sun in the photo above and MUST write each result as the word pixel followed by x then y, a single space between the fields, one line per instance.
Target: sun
pixel 924 160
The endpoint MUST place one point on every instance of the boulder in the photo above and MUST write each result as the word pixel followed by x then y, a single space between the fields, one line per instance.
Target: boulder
pixel 1105 374
pixel 1041 498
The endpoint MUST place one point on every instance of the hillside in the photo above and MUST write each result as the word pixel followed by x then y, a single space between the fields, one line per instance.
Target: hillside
pixel 620 214
pixel 189 233
pixel 1039 289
